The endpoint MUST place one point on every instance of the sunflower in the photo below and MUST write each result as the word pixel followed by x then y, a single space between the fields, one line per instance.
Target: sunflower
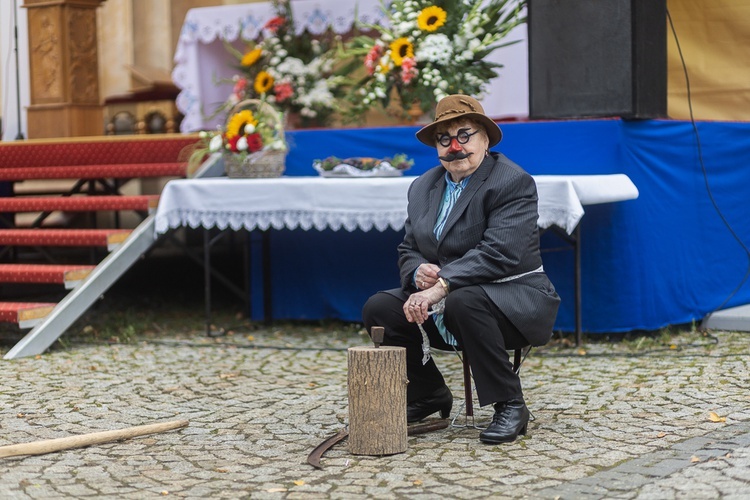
pixel 251 57
pixel 401 48
pixel 263 82
pixel 238 121
pixel 431 18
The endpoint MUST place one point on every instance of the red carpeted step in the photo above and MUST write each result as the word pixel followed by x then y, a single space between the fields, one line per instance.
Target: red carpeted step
pixel 109 238
pixel 43 273
pixel 125 171
pixel 78 203
pixel 25 314
pixel 104 150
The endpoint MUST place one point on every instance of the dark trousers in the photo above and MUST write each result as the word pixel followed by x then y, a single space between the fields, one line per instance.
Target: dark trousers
pixel 480 328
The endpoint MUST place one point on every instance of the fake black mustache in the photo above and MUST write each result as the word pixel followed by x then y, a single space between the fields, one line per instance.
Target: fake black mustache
pixel 460 155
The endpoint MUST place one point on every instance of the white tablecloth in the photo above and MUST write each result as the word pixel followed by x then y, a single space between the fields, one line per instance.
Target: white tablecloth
pixel 380 203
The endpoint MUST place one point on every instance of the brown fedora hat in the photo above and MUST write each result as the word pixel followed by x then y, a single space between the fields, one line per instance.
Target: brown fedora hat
pixel 459 106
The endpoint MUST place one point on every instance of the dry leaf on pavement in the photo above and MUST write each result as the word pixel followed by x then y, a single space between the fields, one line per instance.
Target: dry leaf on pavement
pixel 714 417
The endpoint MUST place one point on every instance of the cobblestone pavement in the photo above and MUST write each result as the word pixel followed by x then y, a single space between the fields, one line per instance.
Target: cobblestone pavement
pixel 655 418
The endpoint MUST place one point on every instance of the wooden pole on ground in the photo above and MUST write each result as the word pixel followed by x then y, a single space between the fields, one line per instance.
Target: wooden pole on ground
pixel 66 443
pixel 377 399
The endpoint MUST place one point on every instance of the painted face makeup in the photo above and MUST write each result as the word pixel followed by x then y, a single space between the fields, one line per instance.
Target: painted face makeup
pixel 461 147
pixel 454 144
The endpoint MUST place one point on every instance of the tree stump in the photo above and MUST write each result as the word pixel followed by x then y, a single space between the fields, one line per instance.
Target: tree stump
pixel 377 400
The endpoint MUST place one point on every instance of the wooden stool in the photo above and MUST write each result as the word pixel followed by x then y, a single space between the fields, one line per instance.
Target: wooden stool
pixel 517 360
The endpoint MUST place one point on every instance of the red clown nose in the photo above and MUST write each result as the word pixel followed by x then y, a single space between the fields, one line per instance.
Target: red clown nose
pixel 455 147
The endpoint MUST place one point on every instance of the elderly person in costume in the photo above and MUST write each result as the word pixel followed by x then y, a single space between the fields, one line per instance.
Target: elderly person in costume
pixel 471 271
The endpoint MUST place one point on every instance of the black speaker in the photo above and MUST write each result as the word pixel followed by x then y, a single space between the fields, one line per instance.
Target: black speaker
pixel 594 58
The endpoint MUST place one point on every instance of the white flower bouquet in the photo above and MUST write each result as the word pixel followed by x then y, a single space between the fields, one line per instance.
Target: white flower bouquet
pixel 431 49
pixel 292 72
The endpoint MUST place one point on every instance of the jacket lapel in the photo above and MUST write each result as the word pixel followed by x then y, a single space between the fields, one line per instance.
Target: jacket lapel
pixel 436 197
pixel 476 181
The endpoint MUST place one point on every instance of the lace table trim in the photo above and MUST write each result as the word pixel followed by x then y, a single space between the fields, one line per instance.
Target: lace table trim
pixel 350 221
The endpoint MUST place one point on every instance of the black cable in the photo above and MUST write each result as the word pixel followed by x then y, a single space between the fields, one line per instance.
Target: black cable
pixel 705 174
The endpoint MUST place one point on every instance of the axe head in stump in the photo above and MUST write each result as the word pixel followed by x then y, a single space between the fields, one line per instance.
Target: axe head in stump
pixel 377 333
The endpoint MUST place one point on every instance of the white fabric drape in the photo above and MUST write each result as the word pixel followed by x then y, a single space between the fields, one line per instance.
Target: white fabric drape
pixel 373 203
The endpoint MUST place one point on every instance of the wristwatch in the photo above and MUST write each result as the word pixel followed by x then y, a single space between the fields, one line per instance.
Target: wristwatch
pixel 445 284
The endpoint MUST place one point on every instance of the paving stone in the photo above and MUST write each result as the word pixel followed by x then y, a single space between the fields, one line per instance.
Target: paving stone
pixel 615 423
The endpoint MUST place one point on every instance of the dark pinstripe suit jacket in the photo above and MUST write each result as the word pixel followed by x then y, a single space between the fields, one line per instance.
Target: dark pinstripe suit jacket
pixel 491 233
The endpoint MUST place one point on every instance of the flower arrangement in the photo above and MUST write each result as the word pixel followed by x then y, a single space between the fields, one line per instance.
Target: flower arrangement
pixel 432 48
pixel 293 72
pixel 253 134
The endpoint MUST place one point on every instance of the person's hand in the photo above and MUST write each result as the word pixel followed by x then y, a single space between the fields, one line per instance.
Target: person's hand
pixel 417 305
pixel 427 276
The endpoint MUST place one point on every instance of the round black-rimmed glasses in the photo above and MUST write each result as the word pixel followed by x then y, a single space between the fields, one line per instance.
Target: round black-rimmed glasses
pixel 462 137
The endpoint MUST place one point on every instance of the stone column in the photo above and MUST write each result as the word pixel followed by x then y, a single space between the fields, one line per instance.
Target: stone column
pixel 63 68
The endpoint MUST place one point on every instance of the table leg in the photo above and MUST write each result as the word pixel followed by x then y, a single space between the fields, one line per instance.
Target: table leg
pixel 207 278
pixel 574 240
pixel 266 250
pixel 246 263
pixel 578 299
pixel 209 274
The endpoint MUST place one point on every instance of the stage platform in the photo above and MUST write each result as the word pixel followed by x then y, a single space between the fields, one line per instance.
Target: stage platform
pixel 734 319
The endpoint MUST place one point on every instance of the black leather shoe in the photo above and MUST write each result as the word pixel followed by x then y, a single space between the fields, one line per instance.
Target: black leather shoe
pixel 510 420
pixel 441 400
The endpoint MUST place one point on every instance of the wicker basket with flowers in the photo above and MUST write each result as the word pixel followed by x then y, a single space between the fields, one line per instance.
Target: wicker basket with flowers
pixel 252 143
